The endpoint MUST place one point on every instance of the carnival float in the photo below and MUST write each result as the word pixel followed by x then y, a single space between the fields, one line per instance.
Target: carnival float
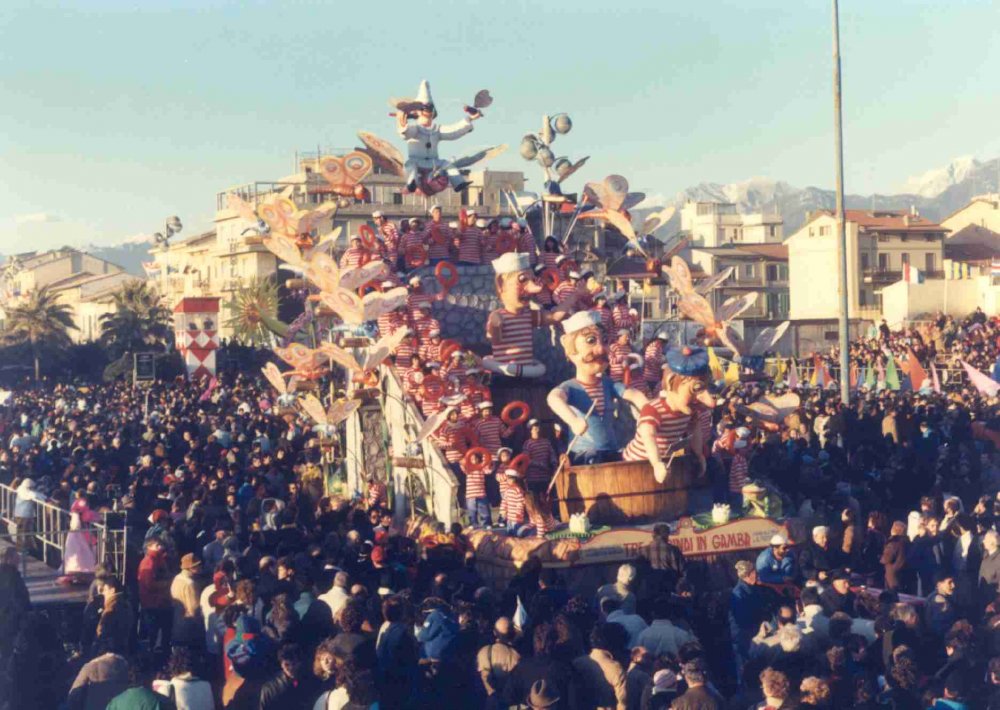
pixel 403 400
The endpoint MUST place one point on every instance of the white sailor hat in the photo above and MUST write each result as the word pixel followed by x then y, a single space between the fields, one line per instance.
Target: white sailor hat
pixel 485 404
pixel 433 207
pixel 376 214
pixel 662 335
pixel 561 258
pixel 471 210
pixel 512 262
pixel 581 320
pixel 512 473
pixel 415 280
pixel 388 284
pixel 434 331
pixel 456 353
pixel 453 224
pixel 533 422
pixel 574 274
pixel 355 236
pixel 505 448
pixel 481 223
pixel 586 272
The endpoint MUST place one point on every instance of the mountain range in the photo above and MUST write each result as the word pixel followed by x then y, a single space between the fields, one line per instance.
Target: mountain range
pixel 936 194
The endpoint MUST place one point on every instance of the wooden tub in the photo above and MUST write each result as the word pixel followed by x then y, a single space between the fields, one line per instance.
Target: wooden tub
pixel 626 492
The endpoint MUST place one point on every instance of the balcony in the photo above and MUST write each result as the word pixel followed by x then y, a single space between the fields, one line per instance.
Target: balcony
pixel 885 277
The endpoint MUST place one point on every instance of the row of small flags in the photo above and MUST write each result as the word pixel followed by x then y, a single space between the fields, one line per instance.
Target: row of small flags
pixel 874 376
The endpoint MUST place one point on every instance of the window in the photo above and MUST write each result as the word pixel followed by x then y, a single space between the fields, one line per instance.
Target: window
pixel 864 261
pixel 904 258
pixel 397 198
pixel 777 272
pixel 772 231
pixel 747 271
pixel 929 262
pixel 883 262
pixel 862 298
pixel 647 309
pixel 825 230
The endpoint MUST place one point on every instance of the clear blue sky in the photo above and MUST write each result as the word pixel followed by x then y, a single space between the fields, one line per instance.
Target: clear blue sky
pixel 117 114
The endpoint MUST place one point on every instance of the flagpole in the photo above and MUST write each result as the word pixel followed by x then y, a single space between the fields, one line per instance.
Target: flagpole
pixel 842 285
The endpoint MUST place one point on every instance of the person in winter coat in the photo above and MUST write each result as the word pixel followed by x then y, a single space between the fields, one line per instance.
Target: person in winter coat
pixel 187 691
pixel 14 600
pixel 989 567
pixel 185 591
pixel 114 630
pixel 438 634
pixel 896 556
pixel 293 686
pixel 100 680
pixel 155 603
pixel 818 558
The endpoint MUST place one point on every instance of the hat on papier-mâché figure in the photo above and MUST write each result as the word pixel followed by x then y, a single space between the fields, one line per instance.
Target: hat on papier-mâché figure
pixel 512 262
pixel 687 361
pixel 581 320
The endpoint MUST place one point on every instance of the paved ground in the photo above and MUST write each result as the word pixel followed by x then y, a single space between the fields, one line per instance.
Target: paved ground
pixel 42 585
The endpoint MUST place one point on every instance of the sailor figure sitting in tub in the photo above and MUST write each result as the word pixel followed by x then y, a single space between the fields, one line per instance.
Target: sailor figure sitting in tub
pixel 667 419
pixel 588 402
pixel 510 328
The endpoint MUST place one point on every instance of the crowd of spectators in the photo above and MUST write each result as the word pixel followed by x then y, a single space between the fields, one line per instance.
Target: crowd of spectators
pixel 248 587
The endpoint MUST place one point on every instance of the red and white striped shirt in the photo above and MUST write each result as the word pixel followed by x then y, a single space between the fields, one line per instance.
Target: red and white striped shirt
pixel 412 379
pixel 512 505
pixel 424 326
pixel 473 396
pixel 454 447
pixel 515 346
pixel 429 350
pixel 390 237
pixel 541 520
pixel 563 291
pixel 489 430
pixel 526 245
pixel 596 394
pixel 739 472
pixel 354 257
pixel 703 420
pixel 410 239
pixel 470 245
pixel 670 427
pixel 404 353
pixel 618 360
pixel 430 403
pixel 489 246
pixel 434 249
pixel 475 482
pixel 543 459
pixel 549 258
pixel 389 322
pixel 621 318
pixel 414 300
pixel 652 369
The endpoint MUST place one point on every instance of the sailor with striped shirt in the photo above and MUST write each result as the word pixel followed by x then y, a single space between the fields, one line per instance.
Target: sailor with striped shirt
pixel 437 236
pixel 477 505
pixel 510 328
pixel 542 455
pixel 618 356
pixel 668 419
pixel 355 256
pixel 390 238
pixel 652 369
pixel 470 242
pixel 512 504
pixel 490 428
pixel 525 240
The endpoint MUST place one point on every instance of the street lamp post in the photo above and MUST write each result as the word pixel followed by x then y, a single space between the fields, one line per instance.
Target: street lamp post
pixel 172 227
pixel 842 285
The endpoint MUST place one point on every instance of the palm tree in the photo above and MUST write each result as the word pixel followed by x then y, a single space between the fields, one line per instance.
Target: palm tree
pixel 139 320
pixel 40 321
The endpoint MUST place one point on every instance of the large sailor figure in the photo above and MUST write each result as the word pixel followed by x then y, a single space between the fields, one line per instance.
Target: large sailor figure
pixel 588 402
pixel 422 138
